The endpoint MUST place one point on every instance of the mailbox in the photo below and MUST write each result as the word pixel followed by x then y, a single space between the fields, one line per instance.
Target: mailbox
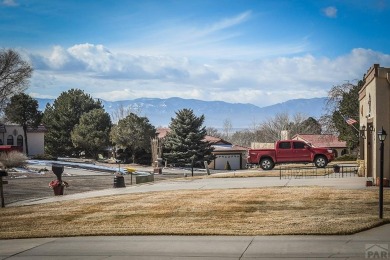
pixel 58 170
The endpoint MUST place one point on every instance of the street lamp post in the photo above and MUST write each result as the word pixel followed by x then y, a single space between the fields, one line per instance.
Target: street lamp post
pixel 382 137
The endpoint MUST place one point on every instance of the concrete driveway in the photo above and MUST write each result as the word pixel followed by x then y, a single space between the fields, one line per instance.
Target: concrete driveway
pixel 366 244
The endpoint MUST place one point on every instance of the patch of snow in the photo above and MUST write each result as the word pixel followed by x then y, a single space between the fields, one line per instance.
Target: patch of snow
pixel 87 166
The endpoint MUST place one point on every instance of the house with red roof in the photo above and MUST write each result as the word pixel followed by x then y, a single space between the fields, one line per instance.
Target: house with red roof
pixel 325 140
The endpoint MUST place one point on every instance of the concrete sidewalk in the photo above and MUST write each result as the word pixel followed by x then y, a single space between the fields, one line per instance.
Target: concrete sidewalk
pixel 209 183
pixel 371 243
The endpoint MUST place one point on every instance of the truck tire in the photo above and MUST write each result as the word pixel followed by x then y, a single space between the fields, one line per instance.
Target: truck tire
pixel 267 164
pixel 320 161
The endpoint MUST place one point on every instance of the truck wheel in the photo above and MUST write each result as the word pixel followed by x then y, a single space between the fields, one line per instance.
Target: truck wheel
pixel 266 164
pixel 320 161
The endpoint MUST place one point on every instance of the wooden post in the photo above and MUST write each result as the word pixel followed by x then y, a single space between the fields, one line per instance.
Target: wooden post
pixel 206 165
pixel 2 173
pixel 1 193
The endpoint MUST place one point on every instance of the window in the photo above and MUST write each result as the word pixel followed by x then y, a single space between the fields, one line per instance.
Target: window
pixel 10 140
pixel 285 145
pixel 299 145
pixel 19 141
pixel 1 142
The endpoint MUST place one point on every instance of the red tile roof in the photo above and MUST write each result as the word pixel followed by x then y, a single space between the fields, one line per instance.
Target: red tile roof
pixel 162 132
pixel 326 140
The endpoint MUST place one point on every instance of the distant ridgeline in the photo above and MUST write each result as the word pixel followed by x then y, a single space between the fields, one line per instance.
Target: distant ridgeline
pixel 160 111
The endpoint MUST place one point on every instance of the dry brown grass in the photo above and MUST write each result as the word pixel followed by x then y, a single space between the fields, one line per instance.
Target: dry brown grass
pixel 267 211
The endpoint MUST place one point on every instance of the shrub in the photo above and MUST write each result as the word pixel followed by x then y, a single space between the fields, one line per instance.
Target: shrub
pixel 13 159
pixel 227 166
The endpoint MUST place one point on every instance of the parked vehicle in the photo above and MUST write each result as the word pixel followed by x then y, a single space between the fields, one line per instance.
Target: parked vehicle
pixel 290 151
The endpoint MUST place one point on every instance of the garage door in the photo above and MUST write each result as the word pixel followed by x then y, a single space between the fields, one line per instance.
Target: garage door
pixel 233 159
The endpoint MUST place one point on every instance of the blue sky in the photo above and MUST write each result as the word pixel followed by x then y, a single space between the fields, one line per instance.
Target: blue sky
pixel 249 51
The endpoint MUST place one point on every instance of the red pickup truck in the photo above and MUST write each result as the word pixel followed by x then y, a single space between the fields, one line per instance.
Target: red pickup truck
pixel 290 151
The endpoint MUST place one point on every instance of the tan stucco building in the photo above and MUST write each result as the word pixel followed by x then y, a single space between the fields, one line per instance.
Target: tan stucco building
pixel 374 104
pixel 14 135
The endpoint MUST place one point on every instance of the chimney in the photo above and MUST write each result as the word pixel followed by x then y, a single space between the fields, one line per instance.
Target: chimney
pixel 285 135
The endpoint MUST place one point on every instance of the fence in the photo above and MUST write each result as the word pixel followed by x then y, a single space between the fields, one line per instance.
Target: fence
pixel 335 171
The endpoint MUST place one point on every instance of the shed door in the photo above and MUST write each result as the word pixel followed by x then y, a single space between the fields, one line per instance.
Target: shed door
pixel 234 161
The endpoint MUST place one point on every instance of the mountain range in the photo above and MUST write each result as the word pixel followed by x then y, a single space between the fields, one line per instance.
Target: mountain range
pixel 160 111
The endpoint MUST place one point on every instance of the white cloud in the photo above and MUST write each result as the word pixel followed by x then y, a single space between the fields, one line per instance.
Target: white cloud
pixel 110 75
pixel 95 57
pixel 225 24
pixel 330 11
pixel 58 58
pixel 10 3
pixel 215 39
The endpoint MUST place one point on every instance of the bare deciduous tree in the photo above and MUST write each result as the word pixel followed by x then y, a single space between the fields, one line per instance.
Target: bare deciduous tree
pixel 227 127
pixel 14 75
pixel 122 112
pixel 244 138
pixel 332 106
pixel 270 130
pixel 211 131
pixel 272 127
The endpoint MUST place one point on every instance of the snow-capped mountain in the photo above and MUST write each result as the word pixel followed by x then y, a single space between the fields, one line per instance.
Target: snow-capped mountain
pixel 160 111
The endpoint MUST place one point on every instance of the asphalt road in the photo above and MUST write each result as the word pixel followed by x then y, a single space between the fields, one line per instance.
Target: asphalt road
pixel 24 186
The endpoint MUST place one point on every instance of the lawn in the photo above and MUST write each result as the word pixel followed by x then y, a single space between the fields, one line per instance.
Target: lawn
pixel 262 211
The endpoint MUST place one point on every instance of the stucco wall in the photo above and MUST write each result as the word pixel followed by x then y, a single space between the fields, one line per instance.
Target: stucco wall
pixel 377 93
pixel 383 118
pixel 256 145
pixel 36 143
pixel 35 140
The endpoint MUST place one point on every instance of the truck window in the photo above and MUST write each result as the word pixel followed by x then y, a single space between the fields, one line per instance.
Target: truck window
pixel 298 145
pixel 284 145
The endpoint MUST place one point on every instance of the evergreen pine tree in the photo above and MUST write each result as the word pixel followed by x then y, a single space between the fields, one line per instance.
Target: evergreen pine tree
pixel 92 134
pixel 61 117
pixel 133 133
pixel 185 142
pixel 348 106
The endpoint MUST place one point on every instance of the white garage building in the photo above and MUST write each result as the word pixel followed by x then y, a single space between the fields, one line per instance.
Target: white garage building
pixel 226 152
